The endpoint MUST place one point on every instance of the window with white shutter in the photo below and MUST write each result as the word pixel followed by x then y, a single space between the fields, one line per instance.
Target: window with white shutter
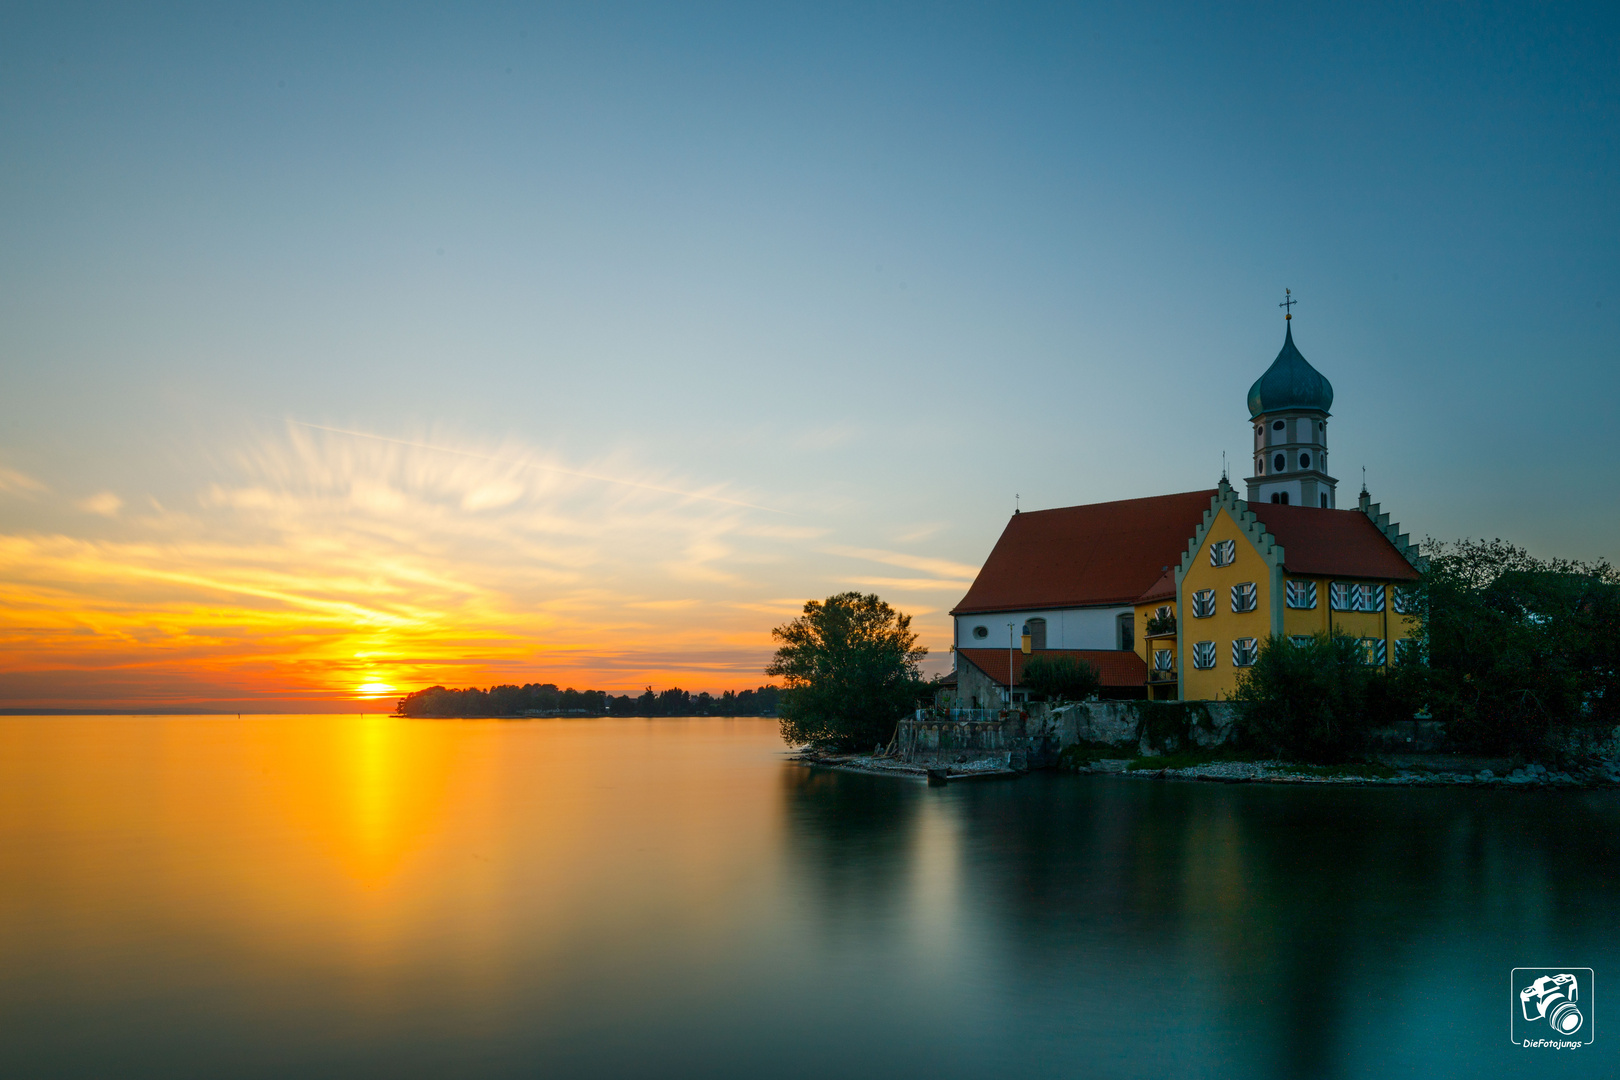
pixel 1204 655
pixel 1245 651
pixel 1377 651
pixel 1163 660
pixel 1405 600
pixel 1345 596
pixel 1203 603
pixel 1408 651
pixel 1301 640
pixel 1244 596
pixel 1301 594
pixel 1372 598
pixel 1223 553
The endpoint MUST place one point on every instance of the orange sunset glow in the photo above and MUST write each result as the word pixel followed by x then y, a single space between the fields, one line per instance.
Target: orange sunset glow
pixel 334 571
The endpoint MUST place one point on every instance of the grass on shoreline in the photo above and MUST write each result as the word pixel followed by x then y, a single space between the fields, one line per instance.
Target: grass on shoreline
pixel 1188 759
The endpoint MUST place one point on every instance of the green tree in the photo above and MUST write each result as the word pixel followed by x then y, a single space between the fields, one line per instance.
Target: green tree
pixel 1061 678
pixel 1317 699
pixel 850 663
pixel 1521 650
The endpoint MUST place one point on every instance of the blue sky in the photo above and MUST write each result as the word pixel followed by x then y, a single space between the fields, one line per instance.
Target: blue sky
pixel 873 269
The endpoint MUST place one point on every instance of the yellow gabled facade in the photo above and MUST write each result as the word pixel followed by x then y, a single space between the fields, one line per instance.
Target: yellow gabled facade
pixel 1231 549
pixel 1232 594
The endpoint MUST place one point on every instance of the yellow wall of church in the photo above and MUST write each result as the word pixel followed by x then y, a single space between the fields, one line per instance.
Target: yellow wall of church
pixel 1145 646
pixel 1388 624
pixel 1225 625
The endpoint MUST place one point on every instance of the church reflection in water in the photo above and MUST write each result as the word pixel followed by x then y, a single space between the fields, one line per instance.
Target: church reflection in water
pixel 1276 929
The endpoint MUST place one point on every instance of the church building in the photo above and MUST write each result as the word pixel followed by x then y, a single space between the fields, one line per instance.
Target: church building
pixel 1171 596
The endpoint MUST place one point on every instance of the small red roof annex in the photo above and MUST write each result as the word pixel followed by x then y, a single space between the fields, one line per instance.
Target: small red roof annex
pixel 1115 668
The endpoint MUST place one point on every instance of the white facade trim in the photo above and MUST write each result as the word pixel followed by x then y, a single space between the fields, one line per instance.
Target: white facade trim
pixel 1066 628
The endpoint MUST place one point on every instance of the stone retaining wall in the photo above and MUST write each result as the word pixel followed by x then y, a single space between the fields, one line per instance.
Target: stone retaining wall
pixel 1036 735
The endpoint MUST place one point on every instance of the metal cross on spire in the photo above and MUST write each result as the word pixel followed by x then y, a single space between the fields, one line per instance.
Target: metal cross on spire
pixel 1288 302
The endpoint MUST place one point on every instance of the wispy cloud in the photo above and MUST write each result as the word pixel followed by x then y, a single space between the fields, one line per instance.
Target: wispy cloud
pixel 927 564
pixel 711 494
pixel 104 503
pixel 316 561
pixel 13 482
pixel 912 584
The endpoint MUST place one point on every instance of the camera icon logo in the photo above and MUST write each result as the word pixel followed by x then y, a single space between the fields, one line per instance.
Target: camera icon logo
pixel 1552 1007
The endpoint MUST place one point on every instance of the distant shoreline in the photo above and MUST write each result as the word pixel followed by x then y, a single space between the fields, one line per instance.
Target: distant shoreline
pixel 23 713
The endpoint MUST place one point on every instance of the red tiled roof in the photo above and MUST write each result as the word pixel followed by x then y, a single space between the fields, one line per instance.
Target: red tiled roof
pixel 1333 543
pixel 1116 668
pixel 1104 553
pixel 1163 589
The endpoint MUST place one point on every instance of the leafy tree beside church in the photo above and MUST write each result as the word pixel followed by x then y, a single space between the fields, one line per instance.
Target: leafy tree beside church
pixel 851 665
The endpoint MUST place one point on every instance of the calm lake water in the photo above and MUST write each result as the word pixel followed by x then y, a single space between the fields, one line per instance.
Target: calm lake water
pixel 338 896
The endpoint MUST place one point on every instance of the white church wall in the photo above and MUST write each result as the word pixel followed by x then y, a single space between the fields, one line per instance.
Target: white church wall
pixel 1066 628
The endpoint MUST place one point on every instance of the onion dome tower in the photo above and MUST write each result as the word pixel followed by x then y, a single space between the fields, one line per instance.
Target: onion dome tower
pixel 1288 406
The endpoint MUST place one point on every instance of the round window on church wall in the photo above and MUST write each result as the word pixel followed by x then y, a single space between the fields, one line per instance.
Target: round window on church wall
pixel 981 631
pixel 1304 461
pixel 1280 463
pixel 1278 426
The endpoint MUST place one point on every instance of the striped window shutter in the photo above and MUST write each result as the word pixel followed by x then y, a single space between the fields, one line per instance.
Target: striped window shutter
pixel 1223 553
pixel 1243 596
pixel 1204 655
pixel 1406 651
pixel 1301 640
pixel 1377 651
pixel 1203 603
pixel 1372 598
pixel 1344 596
pixel 1403 601
pixel 1245 651
pixel 1302 594
pixel 1163 660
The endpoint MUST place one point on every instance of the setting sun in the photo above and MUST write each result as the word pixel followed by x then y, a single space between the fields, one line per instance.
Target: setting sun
pixel 374 689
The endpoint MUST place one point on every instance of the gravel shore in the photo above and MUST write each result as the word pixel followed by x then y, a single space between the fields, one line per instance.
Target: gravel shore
pixel 1604 774
pixel 1281 772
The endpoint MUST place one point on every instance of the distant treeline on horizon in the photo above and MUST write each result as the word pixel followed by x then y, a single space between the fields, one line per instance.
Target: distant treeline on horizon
pixel 544 699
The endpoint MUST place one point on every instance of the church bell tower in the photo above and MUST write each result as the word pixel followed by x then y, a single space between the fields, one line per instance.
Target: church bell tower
pixel 1288 408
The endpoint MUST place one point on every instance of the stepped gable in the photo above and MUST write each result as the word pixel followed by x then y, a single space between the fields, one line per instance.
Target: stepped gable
pixel 1332 543
pixel 1084 556
pixel 1113 668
